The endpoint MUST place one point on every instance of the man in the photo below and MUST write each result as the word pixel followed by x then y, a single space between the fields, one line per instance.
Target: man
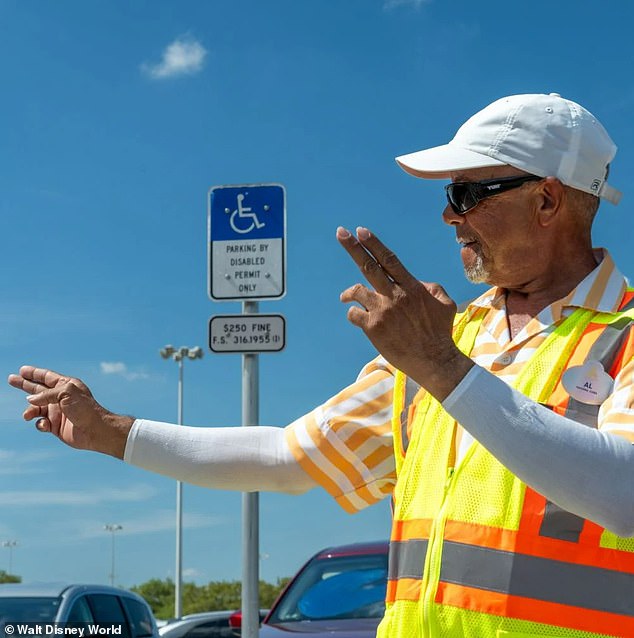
pixel 503 433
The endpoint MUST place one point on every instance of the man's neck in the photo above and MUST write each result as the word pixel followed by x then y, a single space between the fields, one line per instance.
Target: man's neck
pixel 527 301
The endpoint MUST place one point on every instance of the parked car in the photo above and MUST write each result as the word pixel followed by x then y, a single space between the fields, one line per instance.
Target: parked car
pixel 61 603
pixel 209 624
pixel 339 592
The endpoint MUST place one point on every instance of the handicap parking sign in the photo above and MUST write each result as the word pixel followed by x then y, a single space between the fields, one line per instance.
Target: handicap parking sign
pixel 247 242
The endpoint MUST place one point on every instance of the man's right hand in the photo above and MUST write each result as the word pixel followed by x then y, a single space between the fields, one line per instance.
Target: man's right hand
pixel 65 407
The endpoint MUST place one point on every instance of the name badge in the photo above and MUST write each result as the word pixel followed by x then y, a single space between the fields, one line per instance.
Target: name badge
pixel 588 383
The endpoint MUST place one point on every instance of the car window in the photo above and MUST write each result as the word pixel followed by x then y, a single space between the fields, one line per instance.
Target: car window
pixel 336 587
pixel 106 610
pixel 80 611
pixel 350 594
pixel 211 629
pixel 140 617
pixel 23 609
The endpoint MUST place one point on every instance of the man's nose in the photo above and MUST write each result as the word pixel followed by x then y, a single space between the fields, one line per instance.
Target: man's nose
pixel 451 218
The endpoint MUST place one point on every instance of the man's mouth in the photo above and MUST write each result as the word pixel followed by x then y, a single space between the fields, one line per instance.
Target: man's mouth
pixel 466 241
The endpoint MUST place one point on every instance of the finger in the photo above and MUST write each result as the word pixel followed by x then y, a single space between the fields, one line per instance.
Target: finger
pixel 42 376
pixel 54 395
pixel 387 259
pixel 43 425
pixel 35 411
pixel 361 294
pixel 370 268
pixel 437 291
pixel 358 317
pixel 49 417
pixel 16 381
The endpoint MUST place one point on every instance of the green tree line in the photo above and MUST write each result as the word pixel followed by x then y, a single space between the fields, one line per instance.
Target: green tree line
pixel 216 595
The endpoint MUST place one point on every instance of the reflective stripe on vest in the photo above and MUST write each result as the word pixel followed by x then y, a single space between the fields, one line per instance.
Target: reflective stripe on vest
pixel 538 578
pixel 405 558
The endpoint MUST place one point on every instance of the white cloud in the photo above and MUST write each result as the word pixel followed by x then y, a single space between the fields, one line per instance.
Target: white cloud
pixel 25 462
pixel 191 572
pixel 24 498
pixel 113 368
pixel 121 369
pixel 394 4
pixel 158 521
pixel 184 56
pixel 70 530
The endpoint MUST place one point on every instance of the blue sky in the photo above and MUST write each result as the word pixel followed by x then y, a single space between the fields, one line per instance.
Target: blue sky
pixel 118 117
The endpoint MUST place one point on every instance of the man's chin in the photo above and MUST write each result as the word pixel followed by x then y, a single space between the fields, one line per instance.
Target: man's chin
pixel 476 272
pixel 475 277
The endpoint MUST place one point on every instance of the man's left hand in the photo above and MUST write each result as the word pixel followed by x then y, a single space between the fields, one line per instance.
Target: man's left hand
pixel 409 321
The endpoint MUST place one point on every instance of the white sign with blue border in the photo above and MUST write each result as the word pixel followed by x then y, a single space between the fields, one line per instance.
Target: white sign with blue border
pixel 247 242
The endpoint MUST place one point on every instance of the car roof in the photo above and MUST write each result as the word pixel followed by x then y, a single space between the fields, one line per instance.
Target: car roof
pixel 207 614
pixel 353 549
pixel 54 590
pixel 182 625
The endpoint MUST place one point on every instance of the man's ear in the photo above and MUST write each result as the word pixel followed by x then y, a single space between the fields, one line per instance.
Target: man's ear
pixel 550 195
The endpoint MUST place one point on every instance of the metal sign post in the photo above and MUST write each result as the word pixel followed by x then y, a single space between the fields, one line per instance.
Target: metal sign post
pixel 247 262
pixel 250 500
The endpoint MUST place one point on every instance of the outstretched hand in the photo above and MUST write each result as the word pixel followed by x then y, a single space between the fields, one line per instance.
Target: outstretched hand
pixel 408 321
pixel 65 407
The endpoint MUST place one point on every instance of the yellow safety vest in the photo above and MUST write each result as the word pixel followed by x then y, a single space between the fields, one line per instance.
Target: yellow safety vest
pixel 474 552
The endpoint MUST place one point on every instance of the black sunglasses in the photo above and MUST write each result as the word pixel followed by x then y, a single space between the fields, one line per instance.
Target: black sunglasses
pixel 463 196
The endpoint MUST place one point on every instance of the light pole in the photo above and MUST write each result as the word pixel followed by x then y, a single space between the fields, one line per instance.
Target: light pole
pixel 179 355
pixel 112 528
pixel 10 545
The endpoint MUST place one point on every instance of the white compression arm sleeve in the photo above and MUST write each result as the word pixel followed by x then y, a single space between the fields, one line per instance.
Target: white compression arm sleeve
pixel 581 469
pixel 246 459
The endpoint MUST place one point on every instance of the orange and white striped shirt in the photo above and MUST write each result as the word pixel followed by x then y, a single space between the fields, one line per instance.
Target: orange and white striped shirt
pixel 345 445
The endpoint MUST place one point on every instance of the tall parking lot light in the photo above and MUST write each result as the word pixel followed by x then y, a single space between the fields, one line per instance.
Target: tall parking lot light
pixel 10 545
pixel 179 355
pixel 112 528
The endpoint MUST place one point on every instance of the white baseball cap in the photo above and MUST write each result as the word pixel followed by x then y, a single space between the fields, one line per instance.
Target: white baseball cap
pixel 541 134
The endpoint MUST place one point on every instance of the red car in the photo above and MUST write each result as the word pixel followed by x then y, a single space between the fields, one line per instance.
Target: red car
pixel 339 592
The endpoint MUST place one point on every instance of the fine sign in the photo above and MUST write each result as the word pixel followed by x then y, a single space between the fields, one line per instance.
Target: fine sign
pixel 247 333
pixel 247 231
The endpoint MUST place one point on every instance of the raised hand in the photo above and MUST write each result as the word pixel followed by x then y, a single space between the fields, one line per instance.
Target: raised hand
pixel 408 321
pixel 65 407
